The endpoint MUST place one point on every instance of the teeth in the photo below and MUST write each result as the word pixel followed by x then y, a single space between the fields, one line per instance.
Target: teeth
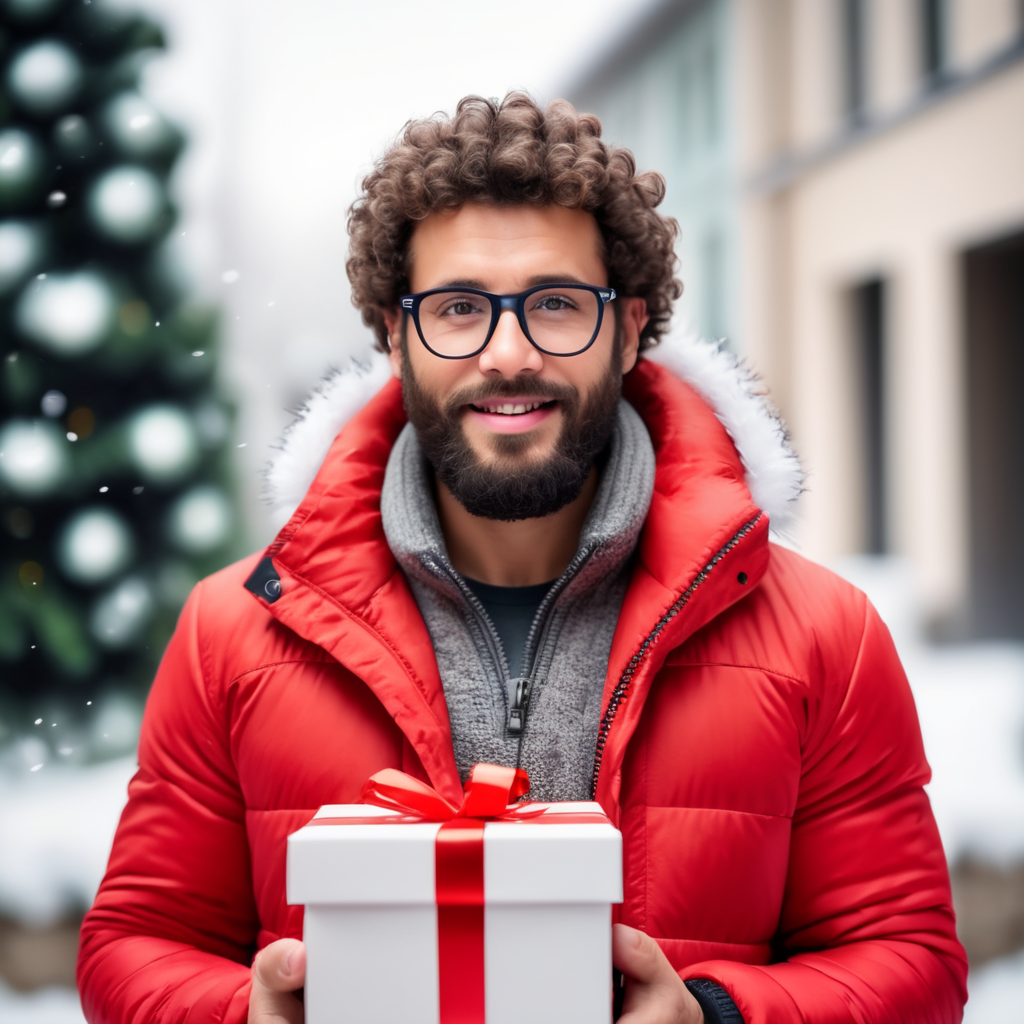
pixel 510 409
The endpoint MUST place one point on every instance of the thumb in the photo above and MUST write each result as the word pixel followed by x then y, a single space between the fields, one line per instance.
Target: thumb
pixel 638 956
pixel 281 966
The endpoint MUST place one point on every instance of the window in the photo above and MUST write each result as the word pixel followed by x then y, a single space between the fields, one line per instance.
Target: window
pixel 868 313
pixel 713 286
pixel 932 27
pixel 709 92
pixel 994 356
pixel 854 69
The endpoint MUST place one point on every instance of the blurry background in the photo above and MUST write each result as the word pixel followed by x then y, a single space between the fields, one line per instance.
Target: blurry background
pixel 849 180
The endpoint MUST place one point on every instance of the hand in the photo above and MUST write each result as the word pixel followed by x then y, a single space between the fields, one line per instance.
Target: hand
pixel 278 971
pixel 655 994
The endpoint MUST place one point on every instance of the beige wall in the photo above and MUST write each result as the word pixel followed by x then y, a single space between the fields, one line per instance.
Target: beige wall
pixel 893 42
pixel 764 71
pixel 902 205
pixel 979 27
pixel 815 93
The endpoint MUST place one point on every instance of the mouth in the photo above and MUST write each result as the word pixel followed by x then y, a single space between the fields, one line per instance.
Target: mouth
pixel 513 407
pixel 511 415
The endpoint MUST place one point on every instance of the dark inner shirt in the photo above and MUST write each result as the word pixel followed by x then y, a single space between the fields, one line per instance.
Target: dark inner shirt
pixel 512 610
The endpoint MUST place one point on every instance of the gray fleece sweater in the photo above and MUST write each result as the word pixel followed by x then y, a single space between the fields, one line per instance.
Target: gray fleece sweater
pixel 547 720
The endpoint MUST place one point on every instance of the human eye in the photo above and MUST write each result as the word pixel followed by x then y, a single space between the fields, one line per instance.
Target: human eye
pixel 554 302
pixel 454 307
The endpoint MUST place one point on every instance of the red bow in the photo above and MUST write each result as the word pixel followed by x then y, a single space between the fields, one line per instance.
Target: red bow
pixel 491 792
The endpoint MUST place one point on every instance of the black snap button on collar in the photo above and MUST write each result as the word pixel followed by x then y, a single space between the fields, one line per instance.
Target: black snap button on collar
pixel 264 581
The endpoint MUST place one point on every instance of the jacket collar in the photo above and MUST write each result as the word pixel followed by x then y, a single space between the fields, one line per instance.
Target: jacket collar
pixel 341 587
pixel 704 546
pixel 722 461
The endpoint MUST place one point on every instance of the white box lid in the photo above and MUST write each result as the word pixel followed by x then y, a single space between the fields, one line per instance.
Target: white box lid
pixel 561 862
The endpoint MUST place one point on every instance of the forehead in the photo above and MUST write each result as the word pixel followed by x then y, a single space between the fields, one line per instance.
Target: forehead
pixel 503 247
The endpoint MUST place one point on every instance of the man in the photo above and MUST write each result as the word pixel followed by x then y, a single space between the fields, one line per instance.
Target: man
pixel 534 571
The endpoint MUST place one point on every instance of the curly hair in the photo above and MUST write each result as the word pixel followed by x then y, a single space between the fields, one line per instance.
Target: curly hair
pixel 506 154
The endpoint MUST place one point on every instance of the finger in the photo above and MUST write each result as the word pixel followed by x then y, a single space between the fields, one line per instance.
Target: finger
pixel 281 966
pixel 639 957
pixel 275 1008
pixel 654 991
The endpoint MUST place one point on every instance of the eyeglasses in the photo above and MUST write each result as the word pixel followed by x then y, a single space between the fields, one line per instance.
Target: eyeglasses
pixel 558 319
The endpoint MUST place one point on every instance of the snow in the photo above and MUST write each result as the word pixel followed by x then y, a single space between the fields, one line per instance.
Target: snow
pixel 970 700
pixel 996 992
pixel 56 827
pixel 45 1006
pixel 56 823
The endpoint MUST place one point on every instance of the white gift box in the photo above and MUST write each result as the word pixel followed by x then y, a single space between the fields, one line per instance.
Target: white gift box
pixel 371 919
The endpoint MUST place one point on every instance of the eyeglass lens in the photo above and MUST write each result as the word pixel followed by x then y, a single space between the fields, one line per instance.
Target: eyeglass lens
pixel 560 320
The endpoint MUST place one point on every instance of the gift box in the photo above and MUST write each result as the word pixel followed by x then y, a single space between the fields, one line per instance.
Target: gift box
pixel 419 912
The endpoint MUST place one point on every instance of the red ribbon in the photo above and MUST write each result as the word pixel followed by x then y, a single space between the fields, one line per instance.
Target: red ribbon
pixel 490 794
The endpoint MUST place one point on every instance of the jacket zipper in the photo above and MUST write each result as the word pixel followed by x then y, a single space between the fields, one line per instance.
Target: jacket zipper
pixel 515 709
pixel 621 691
pixel 516 722
pixel 493 641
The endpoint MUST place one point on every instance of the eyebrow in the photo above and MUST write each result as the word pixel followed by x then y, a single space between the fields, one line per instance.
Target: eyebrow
pixel 555 279
pixel 537 279
pixel 462 282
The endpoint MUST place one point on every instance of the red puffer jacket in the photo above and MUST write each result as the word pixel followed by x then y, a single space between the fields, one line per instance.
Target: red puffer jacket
pixel 759 750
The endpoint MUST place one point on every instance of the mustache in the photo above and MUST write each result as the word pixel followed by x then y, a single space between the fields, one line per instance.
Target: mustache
pixel 501 387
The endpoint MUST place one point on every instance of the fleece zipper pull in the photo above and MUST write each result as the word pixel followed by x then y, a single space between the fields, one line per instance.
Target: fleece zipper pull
pixel 520 690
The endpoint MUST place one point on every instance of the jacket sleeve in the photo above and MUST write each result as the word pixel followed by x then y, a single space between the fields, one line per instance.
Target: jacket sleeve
pixel 867 932
pixel 173 929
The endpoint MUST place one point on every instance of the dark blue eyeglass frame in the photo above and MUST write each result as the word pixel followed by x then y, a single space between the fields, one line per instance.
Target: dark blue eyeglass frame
pixel 499 304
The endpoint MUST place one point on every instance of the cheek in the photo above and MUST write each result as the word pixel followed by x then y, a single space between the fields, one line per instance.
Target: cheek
pixel 437 377
pixel 594 364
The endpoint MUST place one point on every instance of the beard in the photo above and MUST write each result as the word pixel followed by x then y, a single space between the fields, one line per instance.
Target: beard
pixel 512 485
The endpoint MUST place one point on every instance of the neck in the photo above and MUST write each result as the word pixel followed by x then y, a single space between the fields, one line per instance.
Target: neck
pixel 518 554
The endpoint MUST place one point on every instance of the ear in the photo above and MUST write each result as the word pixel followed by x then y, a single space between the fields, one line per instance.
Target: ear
pixel 393 323
pixel 633 319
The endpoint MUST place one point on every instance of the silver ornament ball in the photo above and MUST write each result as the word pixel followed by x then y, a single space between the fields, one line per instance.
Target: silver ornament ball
pixel 163 443
pixel 32 457
pixel 21 164
pixel 45 77
pixel 135 125
pixel 126 204
pixel 119 616
pixel 69 314
pixel 21 249
pixel 95 545
pixel 200 520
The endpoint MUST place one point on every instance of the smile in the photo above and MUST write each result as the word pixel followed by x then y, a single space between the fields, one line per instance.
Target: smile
pixel 511 416
pixel 514 408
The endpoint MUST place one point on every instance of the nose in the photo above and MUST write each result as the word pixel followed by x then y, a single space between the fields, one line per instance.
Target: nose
pixel 509 351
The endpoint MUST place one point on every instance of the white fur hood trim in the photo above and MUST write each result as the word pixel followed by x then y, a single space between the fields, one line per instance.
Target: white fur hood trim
pixel 773 472
pixel 305 443
pixel 739 399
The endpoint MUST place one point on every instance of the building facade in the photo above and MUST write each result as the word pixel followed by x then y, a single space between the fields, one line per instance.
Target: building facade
pixel 849 180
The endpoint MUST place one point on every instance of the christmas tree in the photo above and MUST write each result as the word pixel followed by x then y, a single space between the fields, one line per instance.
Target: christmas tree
pixel 113 482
